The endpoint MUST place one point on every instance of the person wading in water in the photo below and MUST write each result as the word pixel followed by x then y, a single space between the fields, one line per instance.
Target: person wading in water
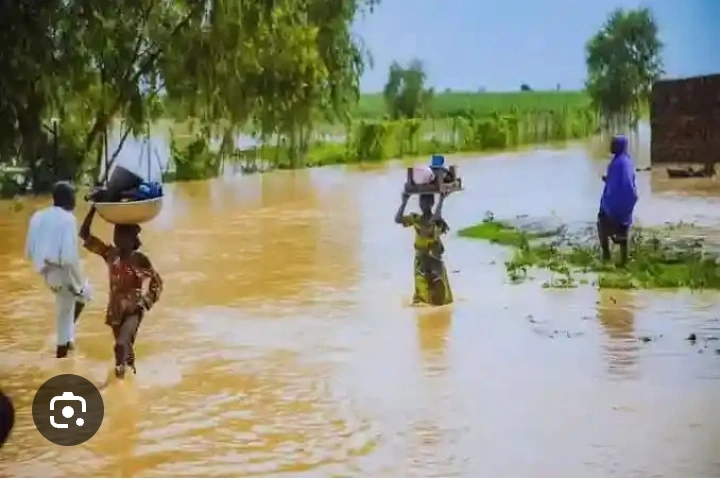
pixel 129 269
pixel 52 246
pixel 618 200
pixel 431 280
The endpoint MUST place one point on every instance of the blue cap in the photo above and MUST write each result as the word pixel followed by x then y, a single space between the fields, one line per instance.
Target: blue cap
pixel 437 161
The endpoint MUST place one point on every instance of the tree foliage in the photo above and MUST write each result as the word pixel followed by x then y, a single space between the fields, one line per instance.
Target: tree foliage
pixel 405 94
pixel 278 63
pixel 623 61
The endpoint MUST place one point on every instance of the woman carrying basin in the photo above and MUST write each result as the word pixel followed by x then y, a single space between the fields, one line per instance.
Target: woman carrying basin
pixel 431 280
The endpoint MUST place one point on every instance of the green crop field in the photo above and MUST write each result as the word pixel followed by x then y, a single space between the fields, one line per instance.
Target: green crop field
pixel 372 106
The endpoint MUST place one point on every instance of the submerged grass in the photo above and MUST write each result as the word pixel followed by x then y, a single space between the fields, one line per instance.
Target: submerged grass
pixel 658 258
pixel 499 232
pixel 496 232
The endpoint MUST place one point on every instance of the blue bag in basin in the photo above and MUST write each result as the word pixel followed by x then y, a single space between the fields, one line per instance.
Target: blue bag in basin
pixel 149 190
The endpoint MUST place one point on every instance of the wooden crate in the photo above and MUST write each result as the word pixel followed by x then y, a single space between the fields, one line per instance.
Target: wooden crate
pixel 453 184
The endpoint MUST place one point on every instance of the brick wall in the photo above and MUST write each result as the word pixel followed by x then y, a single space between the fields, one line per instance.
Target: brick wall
pixel 685 121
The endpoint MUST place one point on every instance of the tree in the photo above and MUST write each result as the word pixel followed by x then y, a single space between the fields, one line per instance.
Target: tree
pixel 405 94
pixel 86 63
pixel 29 68
pixel 623 61
pixel 525 87
pixel 279 63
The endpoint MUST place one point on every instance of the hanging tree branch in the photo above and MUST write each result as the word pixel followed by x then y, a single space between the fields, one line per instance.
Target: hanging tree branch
pixel 124 136
pixel 145 66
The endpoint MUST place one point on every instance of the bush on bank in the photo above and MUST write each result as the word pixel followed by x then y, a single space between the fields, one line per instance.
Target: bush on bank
pixel 372 141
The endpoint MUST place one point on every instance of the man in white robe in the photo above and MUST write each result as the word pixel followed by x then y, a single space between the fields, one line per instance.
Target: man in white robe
pixel 52 246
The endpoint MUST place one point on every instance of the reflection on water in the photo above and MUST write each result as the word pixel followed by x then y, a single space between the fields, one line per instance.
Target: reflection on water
pixel 284 345
pixel 617 316
pixel 433 328
pixel 693 187
pixel 124 411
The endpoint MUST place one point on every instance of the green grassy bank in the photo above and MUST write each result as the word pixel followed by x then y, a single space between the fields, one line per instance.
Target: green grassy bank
pixel 659 257
pixel 460 122
pixel 374 141
pixel 453 103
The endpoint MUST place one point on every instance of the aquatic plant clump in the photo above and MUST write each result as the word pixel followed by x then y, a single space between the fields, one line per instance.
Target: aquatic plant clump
pixel 499 232
pixel 659 258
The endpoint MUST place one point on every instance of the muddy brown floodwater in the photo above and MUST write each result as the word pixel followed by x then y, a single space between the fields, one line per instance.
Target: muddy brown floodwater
pixel 285 345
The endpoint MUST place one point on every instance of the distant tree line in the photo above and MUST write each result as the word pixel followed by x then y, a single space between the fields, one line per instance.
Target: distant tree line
pixel 623 61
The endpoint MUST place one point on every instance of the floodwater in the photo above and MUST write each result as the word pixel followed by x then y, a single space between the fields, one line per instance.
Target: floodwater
pixel 284 343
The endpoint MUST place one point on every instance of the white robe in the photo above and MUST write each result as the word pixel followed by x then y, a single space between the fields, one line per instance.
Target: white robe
pixel 52 247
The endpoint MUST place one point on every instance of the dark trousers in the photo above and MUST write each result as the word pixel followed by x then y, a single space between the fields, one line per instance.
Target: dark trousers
pixel 608 230
pixel 607 227
pixel 125 335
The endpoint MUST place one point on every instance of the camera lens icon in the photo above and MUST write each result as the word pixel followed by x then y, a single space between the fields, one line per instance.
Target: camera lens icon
pixel 67 411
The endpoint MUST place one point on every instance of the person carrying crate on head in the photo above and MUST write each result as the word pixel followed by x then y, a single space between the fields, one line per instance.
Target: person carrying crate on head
pixel 430 274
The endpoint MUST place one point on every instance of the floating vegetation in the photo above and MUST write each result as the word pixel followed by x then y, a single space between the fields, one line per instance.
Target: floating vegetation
pixel 506 234
pixel 659 257
pixel 496 232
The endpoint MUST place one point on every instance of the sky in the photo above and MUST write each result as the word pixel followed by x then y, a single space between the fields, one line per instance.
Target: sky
pixel 500 44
